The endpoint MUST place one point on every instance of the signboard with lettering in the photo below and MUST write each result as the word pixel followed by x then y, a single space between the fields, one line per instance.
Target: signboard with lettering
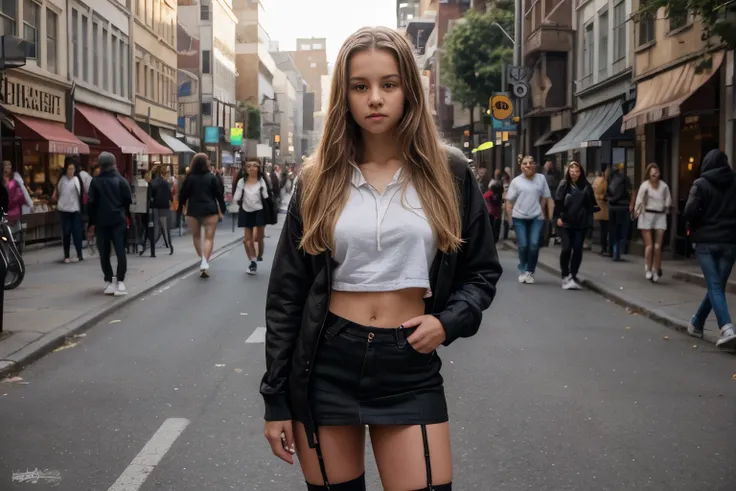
pixel 501 106
pixel 31 98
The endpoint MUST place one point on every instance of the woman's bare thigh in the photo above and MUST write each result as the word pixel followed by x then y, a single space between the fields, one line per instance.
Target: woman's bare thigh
pixel 400 458
pixel 195 226
pixel 343 452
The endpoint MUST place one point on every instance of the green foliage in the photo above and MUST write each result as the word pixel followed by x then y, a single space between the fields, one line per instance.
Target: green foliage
pixel 473 54
pixel 713 14
pixel 253 122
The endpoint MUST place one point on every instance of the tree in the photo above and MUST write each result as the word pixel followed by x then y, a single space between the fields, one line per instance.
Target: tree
pixel 473 56
pixel 713 14
pixel 253 123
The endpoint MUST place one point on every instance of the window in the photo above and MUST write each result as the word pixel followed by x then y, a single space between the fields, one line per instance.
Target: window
pixel 96 53
pixel 115 66
pixel 152 83
pixel 156 16
pixel 204 10
pixel 52 27
pixel 646 28
pixel 144 90
pixel 105 61
pixel 206 63
pixel 85 48
pixel 75 42
pixel 138 81
pixel 31 25
pixel 207 109
pixel 619 31
pixel 124 68
pixel 588 54
pixel 678 18
pixel 603 46
pixel 8 14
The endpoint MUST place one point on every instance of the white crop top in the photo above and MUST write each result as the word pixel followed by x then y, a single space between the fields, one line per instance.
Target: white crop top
pixel 382 242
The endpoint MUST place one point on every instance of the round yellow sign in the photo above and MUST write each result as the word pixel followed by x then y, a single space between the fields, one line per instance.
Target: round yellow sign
pixel 501 107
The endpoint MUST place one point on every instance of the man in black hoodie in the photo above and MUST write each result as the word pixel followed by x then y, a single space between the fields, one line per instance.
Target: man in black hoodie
pixel 618 196
pixel 108 203
pixel 711 213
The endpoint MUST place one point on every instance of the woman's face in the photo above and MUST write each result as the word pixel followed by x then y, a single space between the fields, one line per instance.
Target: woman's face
pixel 574 173
pixel 70 171
pixel 7 169
pixel 375 94
pixel 529 168
pixel 654 174
pixel 252 169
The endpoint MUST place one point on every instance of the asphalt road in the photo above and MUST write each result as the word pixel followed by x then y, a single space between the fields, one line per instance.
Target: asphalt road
pixel 559 391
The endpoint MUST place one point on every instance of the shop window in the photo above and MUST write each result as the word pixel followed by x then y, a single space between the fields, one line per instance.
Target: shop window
pixel 105 61
pixel 645 28
pixel 8 14
pixel 31 25
pixel 75 42
pixel 85 48
pixel 52 29
pixel 206 62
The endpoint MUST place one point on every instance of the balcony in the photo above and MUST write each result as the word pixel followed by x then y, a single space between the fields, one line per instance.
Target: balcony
pixel 549 23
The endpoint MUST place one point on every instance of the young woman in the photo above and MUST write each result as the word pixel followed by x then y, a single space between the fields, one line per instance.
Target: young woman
pixel 574 207
pixel 526 205
pixel 249 194
pixel 600 184
pixel 653 201
pixel 202 196
pixel 386 253
pixel 69 196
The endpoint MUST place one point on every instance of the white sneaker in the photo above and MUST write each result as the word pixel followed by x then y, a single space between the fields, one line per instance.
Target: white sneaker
pixel 566 282
pixel 204 265
pixel 648 274
pixel 111 287
pixel 728 336
pixel 529 278
pixel 121 290
pixel 655 277
pixel 522 277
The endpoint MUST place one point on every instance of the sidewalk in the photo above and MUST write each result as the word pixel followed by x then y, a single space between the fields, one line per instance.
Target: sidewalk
pixel 671 301
pixel 57 300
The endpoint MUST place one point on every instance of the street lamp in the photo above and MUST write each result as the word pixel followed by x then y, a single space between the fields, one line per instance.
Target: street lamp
pixel 505 33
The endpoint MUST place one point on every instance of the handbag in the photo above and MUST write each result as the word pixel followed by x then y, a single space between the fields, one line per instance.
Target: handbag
pixel 269 208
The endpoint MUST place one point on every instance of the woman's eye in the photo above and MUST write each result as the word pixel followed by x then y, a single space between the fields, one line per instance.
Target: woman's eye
pixel 389 85
pixel 360 87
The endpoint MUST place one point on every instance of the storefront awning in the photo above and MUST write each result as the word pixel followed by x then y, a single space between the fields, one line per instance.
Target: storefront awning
pixel 549 138
pixel 152 146
pixel 590 127
pixel 175 145
pixel 108 126
pixel 52 136
pixel 661 96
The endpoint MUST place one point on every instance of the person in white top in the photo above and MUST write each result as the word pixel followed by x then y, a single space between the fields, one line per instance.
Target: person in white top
pixel 249 194
pixel 69 194
pixel 653 202
pixel 386 253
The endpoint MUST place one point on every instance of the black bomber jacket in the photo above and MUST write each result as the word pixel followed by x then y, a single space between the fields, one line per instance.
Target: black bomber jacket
pixel 463 285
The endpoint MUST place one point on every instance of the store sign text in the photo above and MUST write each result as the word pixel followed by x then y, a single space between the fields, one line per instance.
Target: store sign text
pixel 25 98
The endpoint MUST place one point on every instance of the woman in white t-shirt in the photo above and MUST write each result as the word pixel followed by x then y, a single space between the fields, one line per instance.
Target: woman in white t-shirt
pixel 69 196
pixel 653 202
pixel 250 192
pixel 526 205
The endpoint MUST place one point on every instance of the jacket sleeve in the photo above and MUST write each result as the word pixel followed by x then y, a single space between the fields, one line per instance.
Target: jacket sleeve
pixel 219 192
pixel 592 201
pixel 696 204
pixel 559 211
pixel 288 287
pixel 92 202
pixel 477 270
pixel 126 197
pixel 184 194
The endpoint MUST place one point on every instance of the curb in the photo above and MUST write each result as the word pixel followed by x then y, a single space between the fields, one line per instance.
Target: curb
pixel 633 304
pixel 51 340
pixel 698 279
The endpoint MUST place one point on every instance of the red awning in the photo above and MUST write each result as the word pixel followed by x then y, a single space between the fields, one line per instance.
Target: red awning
pixel 153 147
pixel 52 136
pixel 106 123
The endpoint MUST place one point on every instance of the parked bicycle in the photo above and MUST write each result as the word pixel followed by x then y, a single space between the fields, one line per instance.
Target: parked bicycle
pixel 16 268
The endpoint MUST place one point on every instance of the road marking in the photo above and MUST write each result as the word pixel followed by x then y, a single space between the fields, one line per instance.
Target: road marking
pixel 143 464
pixel 258 336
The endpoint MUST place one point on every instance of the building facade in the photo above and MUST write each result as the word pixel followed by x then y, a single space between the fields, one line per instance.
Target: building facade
pixel 189 121
pixel 310 59
pixel 290 88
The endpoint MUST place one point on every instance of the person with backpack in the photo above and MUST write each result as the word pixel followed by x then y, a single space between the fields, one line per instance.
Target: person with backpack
pixel 574 207
pixel 711 213
pixel 618 196
pixel 70 197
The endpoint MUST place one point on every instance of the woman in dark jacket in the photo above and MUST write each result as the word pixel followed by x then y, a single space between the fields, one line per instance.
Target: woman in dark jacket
pixel 574 207
pixel 203 198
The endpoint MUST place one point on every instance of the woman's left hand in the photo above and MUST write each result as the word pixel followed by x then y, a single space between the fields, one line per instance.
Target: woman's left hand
pixel 560 223
pixel 429 335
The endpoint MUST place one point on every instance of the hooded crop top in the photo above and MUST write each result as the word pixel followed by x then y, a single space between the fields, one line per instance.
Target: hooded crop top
pixel 383 241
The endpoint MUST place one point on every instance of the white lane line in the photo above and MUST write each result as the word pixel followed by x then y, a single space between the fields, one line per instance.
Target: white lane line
pixel 258 336
pixel 143 464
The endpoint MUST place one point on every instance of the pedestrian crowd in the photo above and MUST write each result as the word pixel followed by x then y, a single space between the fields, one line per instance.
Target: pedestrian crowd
pixel 542 204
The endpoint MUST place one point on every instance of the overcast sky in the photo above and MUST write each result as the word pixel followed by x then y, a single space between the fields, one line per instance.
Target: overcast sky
pixel 286 20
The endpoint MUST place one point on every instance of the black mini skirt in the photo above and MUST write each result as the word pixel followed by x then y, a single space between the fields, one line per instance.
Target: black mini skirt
pixel 372 376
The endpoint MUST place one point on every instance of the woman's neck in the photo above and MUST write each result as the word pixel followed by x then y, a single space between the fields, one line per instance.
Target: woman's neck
pixel 379 149
pixel 250 178
pixel 654 183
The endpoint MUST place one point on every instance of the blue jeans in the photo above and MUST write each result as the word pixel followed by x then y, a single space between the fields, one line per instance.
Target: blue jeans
pixel 528 238
pixel 716 261
pixel 71 228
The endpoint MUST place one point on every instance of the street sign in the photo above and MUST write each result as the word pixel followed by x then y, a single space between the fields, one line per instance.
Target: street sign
pixel 501 107
pixel 506 125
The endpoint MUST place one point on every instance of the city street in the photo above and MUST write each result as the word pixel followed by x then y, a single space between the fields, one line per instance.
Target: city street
pixel 558 391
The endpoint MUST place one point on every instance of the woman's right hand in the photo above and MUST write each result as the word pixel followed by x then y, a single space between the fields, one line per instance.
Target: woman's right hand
pixel 280 435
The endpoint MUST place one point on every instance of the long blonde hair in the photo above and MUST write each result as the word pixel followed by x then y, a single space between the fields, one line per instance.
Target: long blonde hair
pixel 326 175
